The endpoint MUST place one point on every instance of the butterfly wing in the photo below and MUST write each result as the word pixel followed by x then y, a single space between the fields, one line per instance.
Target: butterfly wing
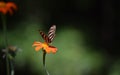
pixel 44 36
pixel 51 33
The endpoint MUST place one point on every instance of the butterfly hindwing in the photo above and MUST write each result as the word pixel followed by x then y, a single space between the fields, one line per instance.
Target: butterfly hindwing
pixel 44 36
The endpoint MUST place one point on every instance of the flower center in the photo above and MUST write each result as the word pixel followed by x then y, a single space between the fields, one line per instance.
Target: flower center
pixel 45 44
pixel 2 4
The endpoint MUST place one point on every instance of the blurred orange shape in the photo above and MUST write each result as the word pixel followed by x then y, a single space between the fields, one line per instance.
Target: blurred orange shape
pixel 45 46
pixel 7 7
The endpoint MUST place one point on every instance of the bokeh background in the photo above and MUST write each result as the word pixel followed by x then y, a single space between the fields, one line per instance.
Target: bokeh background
pixel 87 36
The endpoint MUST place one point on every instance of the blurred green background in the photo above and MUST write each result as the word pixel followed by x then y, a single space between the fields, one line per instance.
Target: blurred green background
pixel 87 37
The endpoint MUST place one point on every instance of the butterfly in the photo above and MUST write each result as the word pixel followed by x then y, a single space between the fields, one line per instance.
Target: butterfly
pixel 50 36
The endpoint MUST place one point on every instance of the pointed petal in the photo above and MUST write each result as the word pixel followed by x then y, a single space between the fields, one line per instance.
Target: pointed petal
pixel 37 43
pixel 51 49
pixel 38 48
pixel 47 49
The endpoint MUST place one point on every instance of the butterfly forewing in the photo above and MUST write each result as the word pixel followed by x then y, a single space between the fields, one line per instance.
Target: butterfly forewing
pixel 51 33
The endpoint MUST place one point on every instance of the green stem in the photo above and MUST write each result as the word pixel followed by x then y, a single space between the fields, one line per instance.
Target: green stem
pixel 44 54
pixel 6 41
pixel 12 67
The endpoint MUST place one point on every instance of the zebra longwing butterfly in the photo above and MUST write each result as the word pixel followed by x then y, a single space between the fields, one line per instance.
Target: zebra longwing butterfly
pixel 51 34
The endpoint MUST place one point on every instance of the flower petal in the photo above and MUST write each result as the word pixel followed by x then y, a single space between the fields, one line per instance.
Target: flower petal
pixel 11 5
pixel 37 48
pixel 47 50
pixel 3 10
pixel 9 11
pixel 7 7
pixel 51 49
pixel 37 43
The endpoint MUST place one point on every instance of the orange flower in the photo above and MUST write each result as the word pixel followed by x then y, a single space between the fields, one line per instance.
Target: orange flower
pixel 45 46
pixel 7 7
